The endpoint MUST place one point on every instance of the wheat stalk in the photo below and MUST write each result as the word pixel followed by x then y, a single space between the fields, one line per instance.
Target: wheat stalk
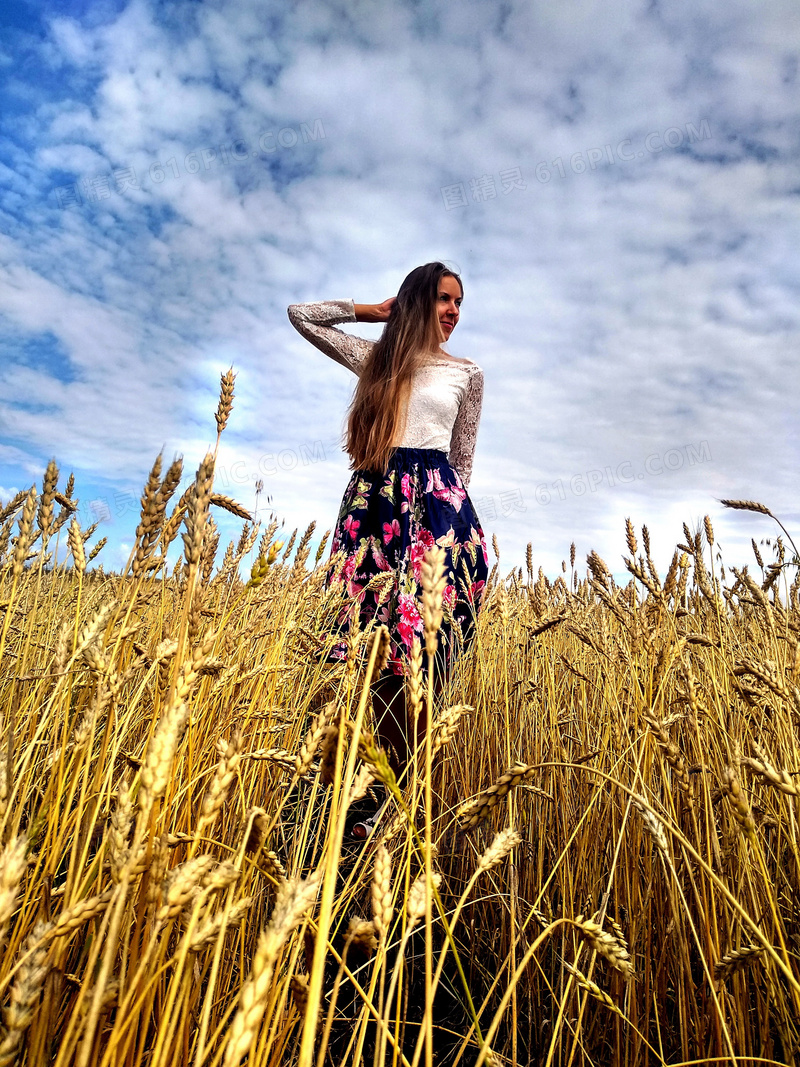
pixel 209 929
pixel 434 580
pixel 197 511
pixel 44 519
pixel 224 773
pixel 228 504
pixel 446 727
pixel 781 780
pixel 314 737
pixel 747 505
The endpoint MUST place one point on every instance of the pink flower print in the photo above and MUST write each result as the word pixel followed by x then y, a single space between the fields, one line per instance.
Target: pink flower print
pixel 406 633
pixel 449 596
pixel 416 556
pixel 351 525
pixel 417 551
pixel 408 611
pixel 476 592
pixel 476 540
pixel 349 567
pixel 390 530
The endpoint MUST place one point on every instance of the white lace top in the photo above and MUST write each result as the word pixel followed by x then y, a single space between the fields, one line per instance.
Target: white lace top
pixel 446 396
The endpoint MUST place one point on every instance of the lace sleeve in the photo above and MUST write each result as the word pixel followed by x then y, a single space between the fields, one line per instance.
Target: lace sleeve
pixel 314 322
pixel 465 428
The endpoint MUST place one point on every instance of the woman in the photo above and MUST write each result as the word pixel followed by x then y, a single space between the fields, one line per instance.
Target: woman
pixel 411 434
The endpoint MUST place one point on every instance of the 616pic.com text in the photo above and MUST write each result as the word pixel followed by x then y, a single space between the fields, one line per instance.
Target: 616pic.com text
pixel 657 463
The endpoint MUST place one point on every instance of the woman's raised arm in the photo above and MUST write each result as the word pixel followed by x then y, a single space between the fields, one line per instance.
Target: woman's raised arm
pixel 374 312
pixel 315 323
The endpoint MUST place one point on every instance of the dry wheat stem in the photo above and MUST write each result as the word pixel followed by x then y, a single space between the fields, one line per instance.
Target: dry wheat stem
pixel 210 928
pixel 319 729
pixel 434 580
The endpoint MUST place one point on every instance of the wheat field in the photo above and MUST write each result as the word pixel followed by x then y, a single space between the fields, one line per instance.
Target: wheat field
pixel 593 861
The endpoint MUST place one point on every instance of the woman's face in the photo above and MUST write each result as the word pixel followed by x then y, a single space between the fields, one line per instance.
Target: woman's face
pixel 448 304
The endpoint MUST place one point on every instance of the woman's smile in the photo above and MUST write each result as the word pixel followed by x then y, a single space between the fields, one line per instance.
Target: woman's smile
pixel 449 304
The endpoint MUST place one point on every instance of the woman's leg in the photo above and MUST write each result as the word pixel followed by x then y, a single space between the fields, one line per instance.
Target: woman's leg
pixel 394 719
pixel 388 701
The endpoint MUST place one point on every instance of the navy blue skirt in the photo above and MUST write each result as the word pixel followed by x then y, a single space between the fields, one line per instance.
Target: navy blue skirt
pixel 393 519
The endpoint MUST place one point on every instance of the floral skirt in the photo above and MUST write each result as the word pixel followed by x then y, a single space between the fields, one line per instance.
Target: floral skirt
pixel 391 520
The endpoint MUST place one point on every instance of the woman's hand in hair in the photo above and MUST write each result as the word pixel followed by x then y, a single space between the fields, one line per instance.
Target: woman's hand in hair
pixel 374 312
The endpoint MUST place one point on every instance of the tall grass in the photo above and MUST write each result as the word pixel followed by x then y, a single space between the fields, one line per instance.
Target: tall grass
pixel 595 859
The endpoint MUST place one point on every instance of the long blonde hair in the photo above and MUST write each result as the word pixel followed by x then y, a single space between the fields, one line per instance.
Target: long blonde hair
pixel 378 411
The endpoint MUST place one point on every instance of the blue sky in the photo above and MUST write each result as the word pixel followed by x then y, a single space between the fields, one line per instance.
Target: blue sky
pixel 617 183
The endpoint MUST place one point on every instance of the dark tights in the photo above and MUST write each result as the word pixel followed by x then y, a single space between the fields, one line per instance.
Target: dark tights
pixel 394 721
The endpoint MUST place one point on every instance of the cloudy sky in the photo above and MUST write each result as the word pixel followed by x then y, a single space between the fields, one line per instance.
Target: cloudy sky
pixel 616 182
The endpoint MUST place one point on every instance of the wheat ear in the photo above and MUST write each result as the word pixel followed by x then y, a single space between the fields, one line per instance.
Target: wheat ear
pixel 18 1015
pixel 381 891
pixel 226 395
pixel 605 945
pixel 12 867
pixel 736 960
pixel 292 901
pixel 479 808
